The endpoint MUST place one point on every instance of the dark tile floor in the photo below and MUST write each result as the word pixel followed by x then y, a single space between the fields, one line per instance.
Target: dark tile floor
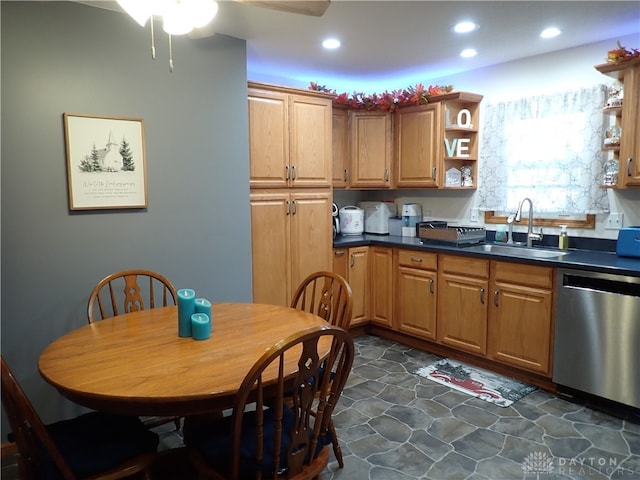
pixel 395 425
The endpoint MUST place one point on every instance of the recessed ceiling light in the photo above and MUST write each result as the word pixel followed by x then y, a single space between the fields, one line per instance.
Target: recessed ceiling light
pixel 550 32
pixel 331 43
pixel 468 53
pixel 465 27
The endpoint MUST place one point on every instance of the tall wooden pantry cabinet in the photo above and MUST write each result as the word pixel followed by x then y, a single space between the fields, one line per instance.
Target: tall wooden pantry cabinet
pixel 290 165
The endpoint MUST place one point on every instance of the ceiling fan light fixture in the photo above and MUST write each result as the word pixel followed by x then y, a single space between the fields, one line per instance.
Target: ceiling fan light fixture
pixel 202 11
pixel 139 10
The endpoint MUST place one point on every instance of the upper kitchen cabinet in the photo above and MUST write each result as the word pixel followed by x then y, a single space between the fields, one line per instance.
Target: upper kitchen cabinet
pixel 340 132
pixel 289 137
pixel 627 117
pixel 370 147
pixel 417 146
pixel 461 119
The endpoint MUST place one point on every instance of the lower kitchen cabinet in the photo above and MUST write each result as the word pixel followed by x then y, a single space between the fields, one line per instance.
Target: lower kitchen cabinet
pixel 381 275
pixel 462 303
pixel 353 265
pixel 520 316
pixel 290 238
pixel 416 293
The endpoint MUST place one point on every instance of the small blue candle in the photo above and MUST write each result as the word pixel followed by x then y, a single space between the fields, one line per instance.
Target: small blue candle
pixel 186 308
pixel 200 326
pixel 204 306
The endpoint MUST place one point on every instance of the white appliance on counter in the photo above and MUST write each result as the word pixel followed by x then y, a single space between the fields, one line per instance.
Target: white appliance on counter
pixel 351 220
pixel 411 216
pixel 376 216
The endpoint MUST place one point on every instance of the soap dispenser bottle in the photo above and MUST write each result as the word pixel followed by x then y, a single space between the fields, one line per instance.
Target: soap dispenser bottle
pixel 563 239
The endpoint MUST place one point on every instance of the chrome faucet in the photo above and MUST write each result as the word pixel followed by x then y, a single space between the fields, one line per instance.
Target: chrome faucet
pixel 530 235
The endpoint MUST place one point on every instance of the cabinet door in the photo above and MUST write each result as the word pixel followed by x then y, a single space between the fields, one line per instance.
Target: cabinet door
pixel 416 302
pixel 340 147
pixel 358 280
pixel 418 140
pixel 381 260
pixel 629 175
pixel 341 262
pixel 370 146
pixel 520 327
pixel 270 246
pixel 462 303
pixel 520 316
pixel 311 237
pixel 310 136
pixel 268 139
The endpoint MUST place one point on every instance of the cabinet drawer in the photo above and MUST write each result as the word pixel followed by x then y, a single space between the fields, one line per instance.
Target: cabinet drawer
pixel 421 260
pixel 521 274
pixel 464 266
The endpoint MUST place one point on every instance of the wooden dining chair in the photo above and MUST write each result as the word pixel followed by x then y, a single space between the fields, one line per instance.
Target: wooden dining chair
pixel 93 446
pixel 327 295
pixel 278 428
pixel 131 291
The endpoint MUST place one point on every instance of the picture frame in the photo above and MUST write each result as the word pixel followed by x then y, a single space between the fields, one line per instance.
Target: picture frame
pixel 106 162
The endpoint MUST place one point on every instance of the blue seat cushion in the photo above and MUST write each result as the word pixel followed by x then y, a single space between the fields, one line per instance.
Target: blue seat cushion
pixel 95 442
pixel 214 443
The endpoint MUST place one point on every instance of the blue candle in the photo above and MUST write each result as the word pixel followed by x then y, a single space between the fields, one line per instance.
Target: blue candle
pixel 186 308
pixel 204 306
pixel 200 326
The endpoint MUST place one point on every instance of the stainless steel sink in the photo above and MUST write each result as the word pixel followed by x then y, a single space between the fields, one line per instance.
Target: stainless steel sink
pixel 515 251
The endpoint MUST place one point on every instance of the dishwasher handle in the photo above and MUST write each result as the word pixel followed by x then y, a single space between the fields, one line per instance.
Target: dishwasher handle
pixel 603 285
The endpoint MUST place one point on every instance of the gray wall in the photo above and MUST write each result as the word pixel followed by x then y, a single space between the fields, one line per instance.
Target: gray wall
pixel 65 57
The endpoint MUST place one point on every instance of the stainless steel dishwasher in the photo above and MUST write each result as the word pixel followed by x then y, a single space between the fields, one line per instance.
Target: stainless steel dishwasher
pixel 597 335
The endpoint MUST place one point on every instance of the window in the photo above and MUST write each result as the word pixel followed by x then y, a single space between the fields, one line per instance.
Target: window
pixel 547 148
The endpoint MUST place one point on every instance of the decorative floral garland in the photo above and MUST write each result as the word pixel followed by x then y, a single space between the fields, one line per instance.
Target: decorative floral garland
pixel 389 101
pixel 621 54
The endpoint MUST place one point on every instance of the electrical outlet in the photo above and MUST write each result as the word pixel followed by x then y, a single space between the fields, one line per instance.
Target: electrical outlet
pixel 474 215
pixel 614 221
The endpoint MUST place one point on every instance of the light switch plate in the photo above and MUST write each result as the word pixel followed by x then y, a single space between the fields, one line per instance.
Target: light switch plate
pixel 474 215
pixel 614 221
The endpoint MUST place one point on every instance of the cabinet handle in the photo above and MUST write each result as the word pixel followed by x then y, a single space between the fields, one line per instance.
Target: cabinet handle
pixel 495 297
pixel 294 208
pixel 482 296
pixel 288 207
pixel 629 160
pixel 286 173
pixel 414 259
pixel 386 174
pixel 353 260
pixel 339 253
pixel 431 282
pixel 294 175
pixel 346 175
pixel 433 173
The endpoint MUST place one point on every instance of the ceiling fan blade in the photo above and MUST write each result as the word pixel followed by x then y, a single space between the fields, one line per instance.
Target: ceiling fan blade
pixel 315 8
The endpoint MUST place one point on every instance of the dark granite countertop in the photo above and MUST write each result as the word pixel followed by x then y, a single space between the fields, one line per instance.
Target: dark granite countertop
pixel 589 260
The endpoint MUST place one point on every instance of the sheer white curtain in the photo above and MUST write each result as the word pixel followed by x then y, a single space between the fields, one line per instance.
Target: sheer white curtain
pixel 547 148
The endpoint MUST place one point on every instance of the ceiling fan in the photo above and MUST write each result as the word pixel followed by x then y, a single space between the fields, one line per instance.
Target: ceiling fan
pixel 315 8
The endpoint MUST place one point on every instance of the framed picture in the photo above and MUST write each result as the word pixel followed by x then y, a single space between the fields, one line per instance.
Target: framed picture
pixel 106 165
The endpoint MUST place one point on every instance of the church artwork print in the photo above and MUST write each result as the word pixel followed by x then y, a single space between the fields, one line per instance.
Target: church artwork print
pixel 106 165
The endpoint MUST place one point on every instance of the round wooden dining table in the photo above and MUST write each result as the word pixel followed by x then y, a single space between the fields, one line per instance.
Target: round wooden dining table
pixel 136 363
